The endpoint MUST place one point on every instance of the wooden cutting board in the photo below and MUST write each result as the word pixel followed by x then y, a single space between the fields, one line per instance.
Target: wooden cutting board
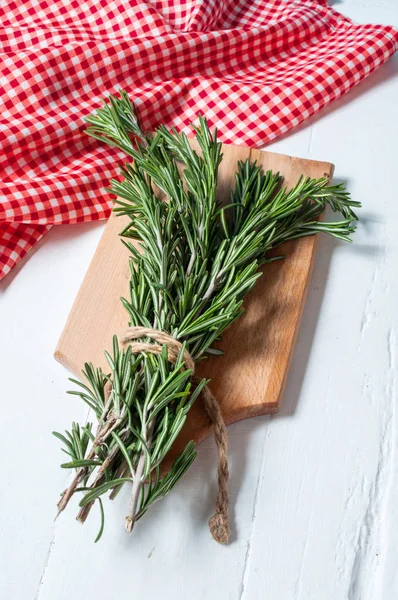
pixel 248 379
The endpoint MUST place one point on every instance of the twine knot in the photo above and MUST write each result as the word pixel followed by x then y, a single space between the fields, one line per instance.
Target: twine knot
pixel 219 528
pixel 218 523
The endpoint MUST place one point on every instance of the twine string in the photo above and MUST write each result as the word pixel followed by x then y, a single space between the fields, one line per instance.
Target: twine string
pixel 218 523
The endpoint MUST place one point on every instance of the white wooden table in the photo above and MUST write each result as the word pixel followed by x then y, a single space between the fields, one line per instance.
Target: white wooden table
pixel 314 489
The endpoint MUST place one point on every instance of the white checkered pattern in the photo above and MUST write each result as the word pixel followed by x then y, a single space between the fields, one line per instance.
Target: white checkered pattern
pixel 254 68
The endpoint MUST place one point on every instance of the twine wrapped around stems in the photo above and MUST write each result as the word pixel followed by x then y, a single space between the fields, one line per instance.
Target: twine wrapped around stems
pixel 218 523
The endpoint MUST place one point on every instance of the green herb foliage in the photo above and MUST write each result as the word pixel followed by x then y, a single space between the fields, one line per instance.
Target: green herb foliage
pixel 195 262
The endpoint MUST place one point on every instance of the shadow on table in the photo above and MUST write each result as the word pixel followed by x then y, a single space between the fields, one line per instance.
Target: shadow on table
pixel 317 290
pixel 57 236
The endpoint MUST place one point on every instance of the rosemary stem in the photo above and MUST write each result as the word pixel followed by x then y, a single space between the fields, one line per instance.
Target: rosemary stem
pixel 68 493
pixel 84 511
pixel 137 483
pixel 191 264
pixel 209 292
pixel 100 438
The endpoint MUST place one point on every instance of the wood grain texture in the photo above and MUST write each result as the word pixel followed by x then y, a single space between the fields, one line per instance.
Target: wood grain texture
pixel 248 379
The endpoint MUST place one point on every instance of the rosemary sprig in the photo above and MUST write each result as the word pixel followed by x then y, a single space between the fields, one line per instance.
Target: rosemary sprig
pixel 195 263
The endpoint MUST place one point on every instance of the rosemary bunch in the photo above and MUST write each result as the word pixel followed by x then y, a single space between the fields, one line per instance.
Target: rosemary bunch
pixel 196 262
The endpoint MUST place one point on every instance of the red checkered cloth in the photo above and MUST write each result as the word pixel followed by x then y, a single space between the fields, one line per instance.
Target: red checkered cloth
pixel 254 68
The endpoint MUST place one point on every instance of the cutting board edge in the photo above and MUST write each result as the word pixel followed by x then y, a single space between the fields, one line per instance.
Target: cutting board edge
pixel 62 360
